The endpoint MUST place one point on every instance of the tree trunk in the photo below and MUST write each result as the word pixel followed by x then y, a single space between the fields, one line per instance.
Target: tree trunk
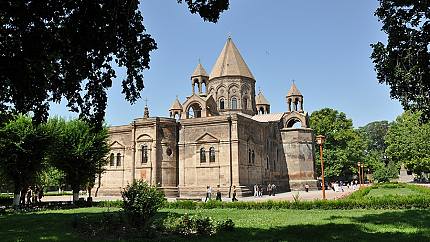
pixel 75 194
pixel 16 199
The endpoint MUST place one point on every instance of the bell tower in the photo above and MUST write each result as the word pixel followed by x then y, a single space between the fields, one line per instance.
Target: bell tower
pixel 294 99
pixel 200 78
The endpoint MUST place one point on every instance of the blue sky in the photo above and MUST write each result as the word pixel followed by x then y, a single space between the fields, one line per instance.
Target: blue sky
pixel 322 45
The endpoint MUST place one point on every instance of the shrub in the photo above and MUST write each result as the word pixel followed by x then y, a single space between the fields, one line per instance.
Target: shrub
pixel 196 225
pixel 141 202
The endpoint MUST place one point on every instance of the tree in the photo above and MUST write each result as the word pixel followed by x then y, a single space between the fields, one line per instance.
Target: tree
pixel 79 151
pixel 51 50
pixel 22 150
pixel 50 177
pixel 408 142
pixel 343 146
pixel 374 136
pixel 404 62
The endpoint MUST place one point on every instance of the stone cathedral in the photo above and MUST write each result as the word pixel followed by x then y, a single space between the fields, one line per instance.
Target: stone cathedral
pixel 222 134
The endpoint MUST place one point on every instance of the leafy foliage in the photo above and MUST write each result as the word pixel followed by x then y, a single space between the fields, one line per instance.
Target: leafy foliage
pixel 79 151
pixel 403 63
pixel 22 150
pixel 343 146
pixel 408 143
pixel 141 202
pixel 67 49
pixel 386 173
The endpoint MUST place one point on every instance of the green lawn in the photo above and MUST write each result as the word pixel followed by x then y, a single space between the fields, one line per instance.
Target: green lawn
pixel 380 192
pixel 251 225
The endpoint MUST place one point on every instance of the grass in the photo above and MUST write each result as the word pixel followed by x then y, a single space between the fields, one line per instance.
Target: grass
pixel 251 225
pixel 403 191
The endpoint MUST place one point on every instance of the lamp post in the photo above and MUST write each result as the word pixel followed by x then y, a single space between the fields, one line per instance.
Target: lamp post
pixel 320 141
pixel 359 173
pixel 362 173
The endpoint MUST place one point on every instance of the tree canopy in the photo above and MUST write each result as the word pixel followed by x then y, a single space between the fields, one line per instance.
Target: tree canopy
pixel 51 50
pixel 22 150
pixel 80 151
pixel 403 62
pixel 343 147
pixel 408 142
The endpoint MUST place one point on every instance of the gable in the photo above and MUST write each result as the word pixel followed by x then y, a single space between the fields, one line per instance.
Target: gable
pixel 117 145
pixel 207 138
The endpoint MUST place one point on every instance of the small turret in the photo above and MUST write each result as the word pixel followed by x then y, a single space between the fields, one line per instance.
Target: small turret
pixel 262 105
pixel 176 109
pixel 199 77
pixel 294 99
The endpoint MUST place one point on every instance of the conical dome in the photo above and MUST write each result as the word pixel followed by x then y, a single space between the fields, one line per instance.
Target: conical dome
pixel 230 63
pixel 294 91
pixel 199 71
pixel 176 105
pixel 260 99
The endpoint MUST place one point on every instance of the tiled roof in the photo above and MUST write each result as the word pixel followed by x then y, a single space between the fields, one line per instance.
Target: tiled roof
pixel 271 117
pixel 230 63
pixel 199 71
pixel 260 99
pixel 294 91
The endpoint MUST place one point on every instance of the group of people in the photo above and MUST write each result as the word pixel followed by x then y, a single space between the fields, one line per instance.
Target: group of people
pixel 33 195
pixel 339 185
pixel 258 190
pixel 218 194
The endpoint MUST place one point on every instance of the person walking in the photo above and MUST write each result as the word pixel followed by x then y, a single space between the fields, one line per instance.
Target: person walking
pixel 307 187
pixel 273 189
pixel 208 193
pixel 234 199
pixel 255 190
pixel 218 194
pixel 269 189
pixel 260 190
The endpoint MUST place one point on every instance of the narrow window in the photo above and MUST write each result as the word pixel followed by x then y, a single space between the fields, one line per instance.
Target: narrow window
pixel 202 155
pixel 253 157
pixel 249 156
pixel 234 103
pixel 112 160
pixel 212 154
pixel 221 104
pixel 144 153
pixel 267 162
pixel 118 159
pixel 245 103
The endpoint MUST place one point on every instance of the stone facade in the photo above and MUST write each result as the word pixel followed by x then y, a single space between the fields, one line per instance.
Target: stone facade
pixel 223 134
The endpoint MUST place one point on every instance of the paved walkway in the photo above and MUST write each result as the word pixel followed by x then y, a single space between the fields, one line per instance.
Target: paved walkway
pixel 311 195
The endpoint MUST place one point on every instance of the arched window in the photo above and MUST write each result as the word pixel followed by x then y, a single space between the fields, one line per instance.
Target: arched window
pixel 118 159
pixel 212 154
pixel 253 157
pixel 144 153
pixel 202 155
pixel 233 103
pixel 245 103
pixel 112 160
pixel 249 156
pixel 194 111
pixel 221 104
pixel 261 111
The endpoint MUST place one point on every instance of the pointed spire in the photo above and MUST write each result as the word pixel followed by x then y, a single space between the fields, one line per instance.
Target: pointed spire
pixel 146 112
pixel 230 63
pixel 260 99
pixel 176 105
pixel 294 91
pixel 199 71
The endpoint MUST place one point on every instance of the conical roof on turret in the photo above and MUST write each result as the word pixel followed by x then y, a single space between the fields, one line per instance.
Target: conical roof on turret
pixel 294 91
pixel 230 63
pixel 199 71
pixel 176 105
pixel 260 99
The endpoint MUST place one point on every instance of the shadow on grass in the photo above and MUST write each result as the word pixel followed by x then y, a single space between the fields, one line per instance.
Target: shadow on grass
pixel 413 218
pixel 58 227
